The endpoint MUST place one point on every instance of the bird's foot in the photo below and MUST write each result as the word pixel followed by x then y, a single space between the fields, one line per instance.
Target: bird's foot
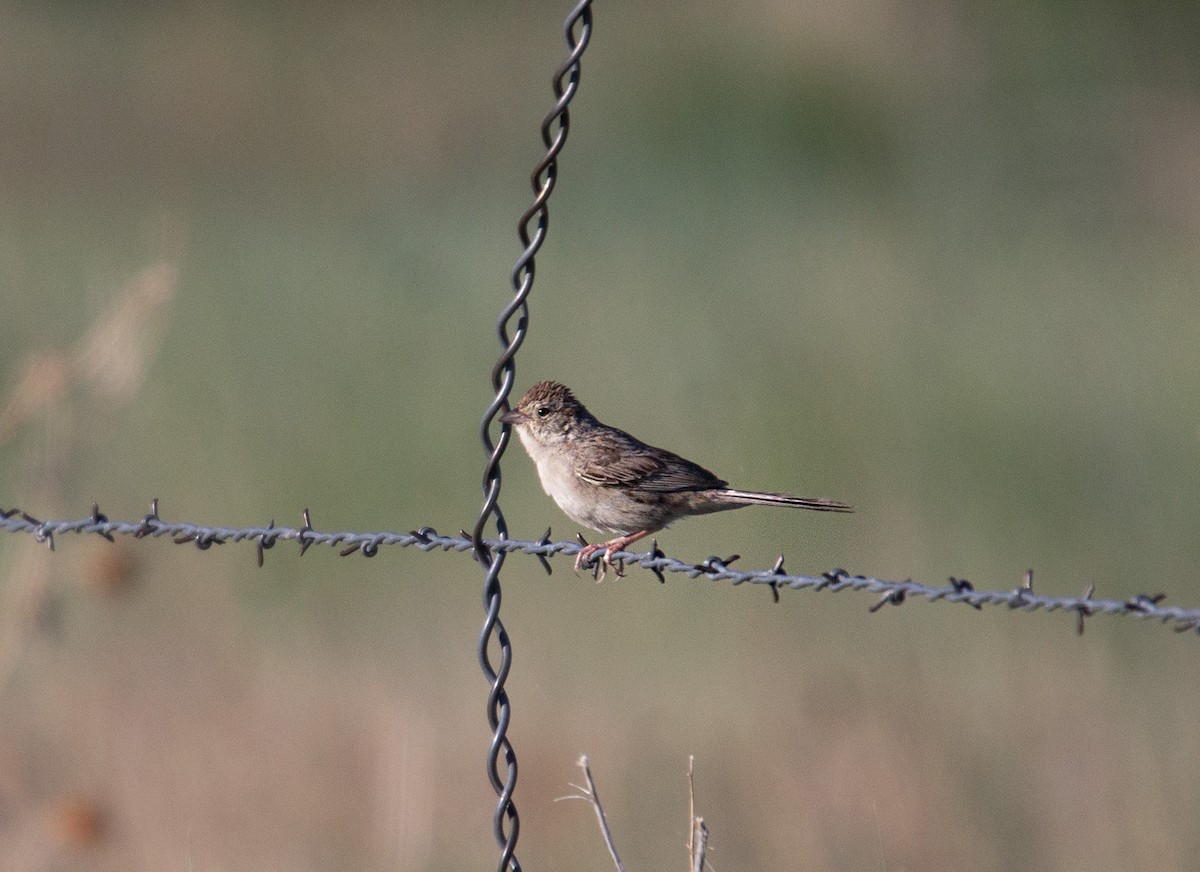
pixel 605 563
pixel 611 547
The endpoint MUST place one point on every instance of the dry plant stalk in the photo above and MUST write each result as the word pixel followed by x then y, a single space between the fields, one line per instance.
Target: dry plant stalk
pixel 697 831
pixel 589 793
pixel 111 359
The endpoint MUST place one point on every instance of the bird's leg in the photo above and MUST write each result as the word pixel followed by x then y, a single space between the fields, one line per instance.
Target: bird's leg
pixel 611 547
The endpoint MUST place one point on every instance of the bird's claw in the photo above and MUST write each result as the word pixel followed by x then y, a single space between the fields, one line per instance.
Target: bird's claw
pixel 586 554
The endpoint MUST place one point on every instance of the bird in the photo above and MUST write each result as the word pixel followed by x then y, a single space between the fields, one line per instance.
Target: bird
pixel 608 480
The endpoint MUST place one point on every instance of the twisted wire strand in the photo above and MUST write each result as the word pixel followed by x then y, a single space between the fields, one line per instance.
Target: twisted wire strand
pixel 1023 598
pixel 506 823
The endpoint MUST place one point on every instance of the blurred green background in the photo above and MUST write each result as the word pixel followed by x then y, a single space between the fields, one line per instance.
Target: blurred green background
pixel 934 260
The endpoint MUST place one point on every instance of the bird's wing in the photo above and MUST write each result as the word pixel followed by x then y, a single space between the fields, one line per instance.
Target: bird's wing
pixel 627 462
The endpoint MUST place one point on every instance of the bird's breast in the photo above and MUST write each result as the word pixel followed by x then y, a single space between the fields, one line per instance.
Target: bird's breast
pixel 573 496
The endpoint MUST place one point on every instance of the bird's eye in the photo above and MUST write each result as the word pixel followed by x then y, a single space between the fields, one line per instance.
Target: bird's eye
pixel 543 411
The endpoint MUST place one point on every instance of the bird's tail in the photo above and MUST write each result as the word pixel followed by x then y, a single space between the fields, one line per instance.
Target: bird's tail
pixel 754 498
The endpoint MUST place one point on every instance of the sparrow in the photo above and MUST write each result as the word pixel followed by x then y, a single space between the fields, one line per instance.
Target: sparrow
pixel 607 480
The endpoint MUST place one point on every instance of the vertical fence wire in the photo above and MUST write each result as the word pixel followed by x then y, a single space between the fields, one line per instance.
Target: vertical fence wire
pixel 506 823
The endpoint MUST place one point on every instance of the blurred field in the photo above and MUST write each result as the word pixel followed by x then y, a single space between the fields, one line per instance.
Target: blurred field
pixel 935 261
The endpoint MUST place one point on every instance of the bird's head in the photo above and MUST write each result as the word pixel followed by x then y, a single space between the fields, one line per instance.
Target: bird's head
pixel 547 413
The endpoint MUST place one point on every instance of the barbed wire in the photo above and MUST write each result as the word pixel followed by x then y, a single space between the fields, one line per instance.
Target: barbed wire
pixel 715 569
pixel 506 823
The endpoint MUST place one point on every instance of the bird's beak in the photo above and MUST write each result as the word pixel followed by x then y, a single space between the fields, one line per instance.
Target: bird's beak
pixel 514 417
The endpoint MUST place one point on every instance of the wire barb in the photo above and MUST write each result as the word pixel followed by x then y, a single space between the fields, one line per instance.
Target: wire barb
pixel 1142 602
pixel 961 585
pixel 895 597
pixel 544 541
pixel 150 521
pixel 1083 609
pixel 99 518
pixel 304 538
pixel 656 553
pixel 265 540
pixel 714 565
pixel 40 531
